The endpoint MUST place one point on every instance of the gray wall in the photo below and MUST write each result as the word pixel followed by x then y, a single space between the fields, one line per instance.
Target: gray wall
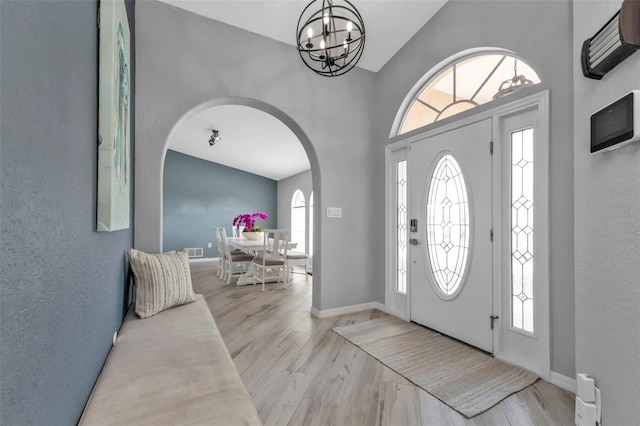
pixel 185 61
pixel 607 234
pixel 540 32
pixel 61 287
pixel 286 188
pixel 199 195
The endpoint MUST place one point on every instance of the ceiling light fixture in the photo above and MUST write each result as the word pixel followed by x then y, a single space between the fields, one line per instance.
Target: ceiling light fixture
pixel 514 84
pixel 330 36
pixel 215 137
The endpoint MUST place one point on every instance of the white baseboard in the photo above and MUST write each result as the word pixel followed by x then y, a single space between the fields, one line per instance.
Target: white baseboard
pixel 564 382
pixel 343 310
pixel 203 259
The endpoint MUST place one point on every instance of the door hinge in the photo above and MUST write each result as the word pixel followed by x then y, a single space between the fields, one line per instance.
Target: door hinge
pixel 491 147
pixel 491 235
pixel 492 318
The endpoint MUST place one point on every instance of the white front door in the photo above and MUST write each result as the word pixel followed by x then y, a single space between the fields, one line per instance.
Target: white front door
pixel 450 197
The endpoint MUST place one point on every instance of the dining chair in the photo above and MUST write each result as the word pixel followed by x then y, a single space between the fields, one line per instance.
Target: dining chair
pixel 235 263
pixel 272 257
pixel 297 258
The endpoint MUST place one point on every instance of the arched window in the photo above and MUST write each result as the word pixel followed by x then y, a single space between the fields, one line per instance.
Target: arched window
pixel 464 83
pixel 311 225
pixel 298 216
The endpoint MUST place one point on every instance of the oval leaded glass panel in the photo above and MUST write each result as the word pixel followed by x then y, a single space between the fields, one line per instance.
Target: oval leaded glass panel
pixel 447 225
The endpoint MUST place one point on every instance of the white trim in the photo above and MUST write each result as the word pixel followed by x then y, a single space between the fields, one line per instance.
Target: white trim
pixel 343 310
pixel 504 106
pixel 540 104
pixel 564 382
pixel 203 259
pixel 393 299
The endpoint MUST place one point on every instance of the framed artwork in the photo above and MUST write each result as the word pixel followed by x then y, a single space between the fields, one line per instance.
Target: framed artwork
pixel 114 118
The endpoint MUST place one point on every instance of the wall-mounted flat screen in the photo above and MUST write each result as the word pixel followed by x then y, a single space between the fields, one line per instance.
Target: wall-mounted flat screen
pixel 617 124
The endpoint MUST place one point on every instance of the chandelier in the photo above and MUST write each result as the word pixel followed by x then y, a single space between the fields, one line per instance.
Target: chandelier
pixel 330 36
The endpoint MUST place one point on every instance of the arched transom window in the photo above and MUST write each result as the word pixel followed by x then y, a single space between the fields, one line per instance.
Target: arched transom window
pixel 469 82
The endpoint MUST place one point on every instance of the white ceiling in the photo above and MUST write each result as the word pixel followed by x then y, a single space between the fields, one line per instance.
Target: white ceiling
pixel 251 140
pixel 275 151
pixel 389 24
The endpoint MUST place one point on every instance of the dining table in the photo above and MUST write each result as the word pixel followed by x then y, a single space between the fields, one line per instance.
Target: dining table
pixel 253 246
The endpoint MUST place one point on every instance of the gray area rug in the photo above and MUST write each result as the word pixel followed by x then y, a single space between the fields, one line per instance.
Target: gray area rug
pixel 464 378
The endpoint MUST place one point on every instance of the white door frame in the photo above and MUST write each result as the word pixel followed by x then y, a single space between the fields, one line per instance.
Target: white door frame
pixel 540 102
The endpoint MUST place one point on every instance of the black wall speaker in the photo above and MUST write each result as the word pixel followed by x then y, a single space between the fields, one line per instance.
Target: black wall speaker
pixel 615 42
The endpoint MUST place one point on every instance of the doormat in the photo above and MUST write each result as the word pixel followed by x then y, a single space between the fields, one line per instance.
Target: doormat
pixel 464 378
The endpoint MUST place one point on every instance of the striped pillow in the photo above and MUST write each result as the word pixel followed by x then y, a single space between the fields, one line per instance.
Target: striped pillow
pixel 162 281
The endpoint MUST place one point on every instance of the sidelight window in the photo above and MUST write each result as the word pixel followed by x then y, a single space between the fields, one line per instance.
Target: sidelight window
pixel 522 256
pixel 401 218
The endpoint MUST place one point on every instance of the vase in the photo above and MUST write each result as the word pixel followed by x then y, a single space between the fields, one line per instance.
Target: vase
pixel 253 235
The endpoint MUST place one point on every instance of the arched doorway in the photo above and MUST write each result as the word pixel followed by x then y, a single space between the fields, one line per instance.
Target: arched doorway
pixel 257 109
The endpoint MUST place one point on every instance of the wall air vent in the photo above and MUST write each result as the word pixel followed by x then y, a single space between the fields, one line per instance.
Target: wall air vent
pixel 195 252
pixel 614 43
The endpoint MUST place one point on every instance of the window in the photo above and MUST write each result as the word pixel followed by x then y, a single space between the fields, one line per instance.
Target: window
pixel 401 223
pixel 468 82
pixel 311 225
pixel 522 258
pixel 298 216
pixel 447 225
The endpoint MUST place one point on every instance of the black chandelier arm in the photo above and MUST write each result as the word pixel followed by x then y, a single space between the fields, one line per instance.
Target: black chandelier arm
pixel 337 46
pixel 334 71
pixel 302 38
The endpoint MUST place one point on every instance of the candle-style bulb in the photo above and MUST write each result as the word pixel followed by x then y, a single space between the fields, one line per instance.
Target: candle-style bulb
pixel 322 44
pixel 309 32
pixel 326 19
pixel 349 26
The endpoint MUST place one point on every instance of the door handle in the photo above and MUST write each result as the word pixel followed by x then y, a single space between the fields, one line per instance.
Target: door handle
pixel 414 241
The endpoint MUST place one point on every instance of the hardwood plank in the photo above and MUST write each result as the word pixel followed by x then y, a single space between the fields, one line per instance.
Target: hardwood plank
pixel 559 403
pixel 388 375
pixel 299 372
pixel 361 392
pixel 297 418
pixel 398 405
pixel 317 412
pixel 268 357
pixel 533 406
pixel 277 400
pixel 434 411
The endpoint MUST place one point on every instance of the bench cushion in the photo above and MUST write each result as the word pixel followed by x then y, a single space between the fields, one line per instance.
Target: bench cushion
pixel 172 368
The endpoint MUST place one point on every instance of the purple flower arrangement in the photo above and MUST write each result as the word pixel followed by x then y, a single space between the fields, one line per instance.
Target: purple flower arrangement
pixel 249 221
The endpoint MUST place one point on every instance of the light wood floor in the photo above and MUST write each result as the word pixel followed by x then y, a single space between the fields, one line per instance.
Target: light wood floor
pixel 299 372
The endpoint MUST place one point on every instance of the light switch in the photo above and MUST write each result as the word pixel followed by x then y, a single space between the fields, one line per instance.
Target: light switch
pixel 334 212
